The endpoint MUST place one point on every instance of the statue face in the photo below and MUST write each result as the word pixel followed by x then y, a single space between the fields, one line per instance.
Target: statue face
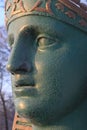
pixel 48 62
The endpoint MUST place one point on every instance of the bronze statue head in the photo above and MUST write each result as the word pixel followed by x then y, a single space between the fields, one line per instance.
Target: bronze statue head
pixel 48 61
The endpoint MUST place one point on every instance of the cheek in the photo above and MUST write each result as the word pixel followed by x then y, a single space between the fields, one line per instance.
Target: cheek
pixel 62 73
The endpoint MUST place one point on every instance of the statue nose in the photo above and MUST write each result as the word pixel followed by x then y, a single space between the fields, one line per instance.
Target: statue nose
pixel 23 68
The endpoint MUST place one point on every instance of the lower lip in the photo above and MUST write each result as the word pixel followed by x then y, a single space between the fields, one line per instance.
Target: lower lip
pixel 25 91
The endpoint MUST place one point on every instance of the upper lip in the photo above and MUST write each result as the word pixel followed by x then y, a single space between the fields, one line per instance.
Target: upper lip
pixel 24 81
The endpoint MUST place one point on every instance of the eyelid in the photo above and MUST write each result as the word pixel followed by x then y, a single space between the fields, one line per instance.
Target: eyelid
pixel 45 36
pixel 51 38
pixel 50 42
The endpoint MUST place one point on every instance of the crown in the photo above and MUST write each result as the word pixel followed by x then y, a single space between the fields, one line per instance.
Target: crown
pixel 72 12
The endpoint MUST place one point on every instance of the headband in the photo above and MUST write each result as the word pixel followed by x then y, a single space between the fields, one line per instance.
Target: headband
pixel 69 11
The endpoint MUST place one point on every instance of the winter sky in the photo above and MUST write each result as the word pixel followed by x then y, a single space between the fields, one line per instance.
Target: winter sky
pixel 2 11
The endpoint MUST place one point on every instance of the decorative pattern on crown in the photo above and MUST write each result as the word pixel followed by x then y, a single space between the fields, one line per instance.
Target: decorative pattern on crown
pixel 68 8
pixel 15 7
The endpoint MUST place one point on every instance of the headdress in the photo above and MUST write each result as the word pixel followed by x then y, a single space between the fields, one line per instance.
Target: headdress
pixel 69 11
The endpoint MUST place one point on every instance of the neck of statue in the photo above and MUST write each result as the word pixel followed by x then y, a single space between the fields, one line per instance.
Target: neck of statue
pixel 77 120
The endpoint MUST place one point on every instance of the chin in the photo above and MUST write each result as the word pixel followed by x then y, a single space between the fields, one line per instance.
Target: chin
pixel 38 114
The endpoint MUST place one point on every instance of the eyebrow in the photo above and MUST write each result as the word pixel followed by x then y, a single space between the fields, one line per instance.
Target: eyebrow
pixel 35 30
pixel 29 28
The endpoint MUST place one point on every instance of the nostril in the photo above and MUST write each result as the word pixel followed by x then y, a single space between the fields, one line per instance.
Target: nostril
pixel 24 67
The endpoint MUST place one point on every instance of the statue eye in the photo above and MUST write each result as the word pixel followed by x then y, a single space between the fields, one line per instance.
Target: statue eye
pixel 45 42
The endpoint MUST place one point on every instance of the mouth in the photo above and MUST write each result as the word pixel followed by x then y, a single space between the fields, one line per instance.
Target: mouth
pixel 20 86
pixel 24 89
pixel 20 83
pixel 24 85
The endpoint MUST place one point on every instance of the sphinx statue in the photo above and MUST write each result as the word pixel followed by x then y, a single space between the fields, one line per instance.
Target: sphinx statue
pixel 48 62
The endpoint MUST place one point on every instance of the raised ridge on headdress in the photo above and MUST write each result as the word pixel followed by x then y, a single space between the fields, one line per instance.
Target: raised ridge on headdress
pixel 69 11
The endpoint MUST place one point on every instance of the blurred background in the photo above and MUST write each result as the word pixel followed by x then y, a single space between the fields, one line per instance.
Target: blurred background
pixel 6 102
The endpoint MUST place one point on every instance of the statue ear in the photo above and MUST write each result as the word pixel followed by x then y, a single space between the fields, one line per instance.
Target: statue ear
pixel 21 123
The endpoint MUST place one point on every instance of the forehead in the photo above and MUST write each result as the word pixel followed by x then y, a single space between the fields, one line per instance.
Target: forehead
pixel 42 24
pixel 39 23
pixel 34 20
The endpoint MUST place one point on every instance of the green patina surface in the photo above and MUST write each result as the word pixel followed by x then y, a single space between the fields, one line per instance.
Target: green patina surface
pixel 48 63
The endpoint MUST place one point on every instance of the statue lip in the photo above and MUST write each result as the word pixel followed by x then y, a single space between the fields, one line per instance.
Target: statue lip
pixel 24 82
pixel 17 85
pixel 24 88
pixel 25 91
